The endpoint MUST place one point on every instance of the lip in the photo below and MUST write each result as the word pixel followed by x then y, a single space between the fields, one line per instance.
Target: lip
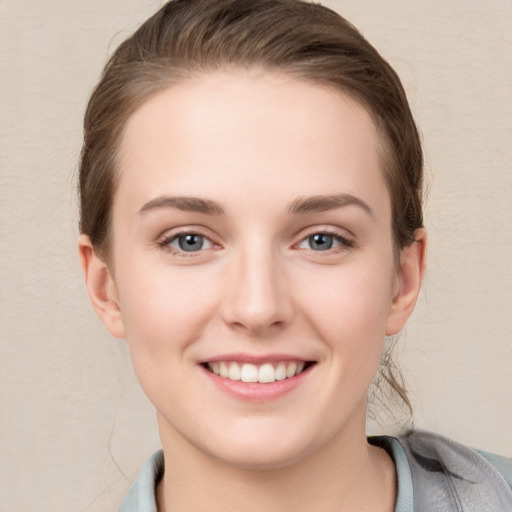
pixel 256 391
pixel 254 359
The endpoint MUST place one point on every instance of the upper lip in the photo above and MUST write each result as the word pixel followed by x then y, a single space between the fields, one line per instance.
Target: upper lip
pixel 254 359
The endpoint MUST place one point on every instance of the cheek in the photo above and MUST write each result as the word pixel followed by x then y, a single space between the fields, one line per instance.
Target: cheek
pixel 165 307
pixel 359 294
pixel 164 310
pixel 164 313
pixel 349 307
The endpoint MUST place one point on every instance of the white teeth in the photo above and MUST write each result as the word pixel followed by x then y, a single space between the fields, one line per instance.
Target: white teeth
pixel 266 373
pixel 281 371
pixel 234 372
pixel 249 373
pixel 223 369
pixel 290 370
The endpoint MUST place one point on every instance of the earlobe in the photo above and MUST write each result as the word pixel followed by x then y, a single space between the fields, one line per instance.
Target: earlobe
pixel 410 276
pixel 101 287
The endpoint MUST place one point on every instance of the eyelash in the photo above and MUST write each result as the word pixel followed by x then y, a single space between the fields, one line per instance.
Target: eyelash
pixel 344 243
pixel 165 243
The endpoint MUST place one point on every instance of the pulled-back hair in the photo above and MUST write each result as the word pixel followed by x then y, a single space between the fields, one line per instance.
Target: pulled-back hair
pixel 305 40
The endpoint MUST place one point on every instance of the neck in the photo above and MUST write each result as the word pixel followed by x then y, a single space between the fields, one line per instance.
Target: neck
pixel 347 474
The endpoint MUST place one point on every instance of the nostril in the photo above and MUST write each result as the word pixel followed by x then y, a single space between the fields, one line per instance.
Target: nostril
pixel 258 328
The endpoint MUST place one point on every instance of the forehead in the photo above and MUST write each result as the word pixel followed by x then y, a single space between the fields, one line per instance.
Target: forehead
pixel 247 129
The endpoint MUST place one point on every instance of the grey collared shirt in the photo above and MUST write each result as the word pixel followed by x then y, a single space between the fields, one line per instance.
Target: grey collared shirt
pixel 433 474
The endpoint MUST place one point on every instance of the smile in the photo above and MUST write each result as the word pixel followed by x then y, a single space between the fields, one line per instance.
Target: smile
pixel 265 373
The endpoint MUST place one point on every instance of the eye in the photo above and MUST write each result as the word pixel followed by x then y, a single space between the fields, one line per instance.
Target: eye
pixel 323 242
pixel 188 242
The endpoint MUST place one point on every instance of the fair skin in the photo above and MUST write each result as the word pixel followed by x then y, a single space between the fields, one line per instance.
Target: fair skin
pixel 252 226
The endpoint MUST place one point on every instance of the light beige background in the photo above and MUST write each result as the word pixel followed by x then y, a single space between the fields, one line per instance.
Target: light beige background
pixel 74 426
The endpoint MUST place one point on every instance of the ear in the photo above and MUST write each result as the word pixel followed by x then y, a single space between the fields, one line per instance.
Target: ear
pixel 101 287
pixel 409 278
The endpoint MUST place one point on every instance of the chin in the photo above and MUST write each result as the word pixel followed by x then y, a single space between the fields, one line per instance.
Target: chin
pixel 271 456
pixel 263 447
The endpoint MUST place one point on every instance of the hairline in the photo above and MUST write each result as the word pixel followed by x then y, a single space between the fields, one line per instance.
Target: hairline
pixel 165 76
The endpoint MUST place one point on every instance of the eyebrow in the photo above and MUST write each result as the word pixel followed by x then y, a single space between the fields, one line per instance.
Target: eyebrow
pixel 187 204
pixel 301 205
pixel 317 204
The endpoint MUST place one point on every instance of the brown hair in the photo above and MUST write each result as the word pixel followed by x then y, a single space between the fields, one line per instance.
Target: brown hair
pixel 298 38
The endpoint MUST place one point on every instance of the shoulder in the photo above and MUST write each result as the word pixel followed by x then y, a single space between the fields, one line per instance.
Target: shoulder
pixel 447 475
pixel 141 496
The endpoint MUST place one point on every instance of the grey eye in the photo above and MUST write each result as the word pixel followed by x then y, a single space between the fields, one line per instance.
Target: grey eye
pixel 320 242
pixel 323 242
pixel 190 243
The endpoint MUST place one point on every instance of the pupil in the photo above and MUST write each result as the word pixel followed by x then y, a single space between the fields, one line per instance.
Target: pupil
pixel 191 243
pixel 320 242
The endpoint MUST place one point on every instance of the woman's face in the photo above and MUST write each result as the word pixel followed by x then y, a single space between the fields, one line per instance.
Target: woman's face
pixel 252 238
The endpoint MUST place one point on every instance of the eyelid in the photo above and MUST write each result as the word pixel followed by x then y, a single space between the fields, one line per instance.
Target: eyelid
pixel 346 241
pixel 177 238
pixel 169 236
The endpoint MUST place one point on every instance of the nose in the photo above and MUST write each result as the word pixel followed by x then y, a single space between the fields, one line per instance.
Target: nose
pixel 257 297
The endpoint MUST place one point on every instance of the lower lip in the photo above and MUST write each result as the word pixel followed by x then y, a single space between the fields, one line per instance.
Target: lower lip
pixel 256 391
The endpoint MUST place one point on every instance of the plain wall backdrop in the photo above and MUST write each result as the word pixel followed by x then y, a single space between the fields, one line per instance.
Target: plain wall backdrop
pixel 74 427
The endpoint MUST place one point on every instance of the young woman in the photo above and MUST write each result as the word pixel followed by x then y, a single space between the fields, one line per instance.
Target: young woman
pixel 251 220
